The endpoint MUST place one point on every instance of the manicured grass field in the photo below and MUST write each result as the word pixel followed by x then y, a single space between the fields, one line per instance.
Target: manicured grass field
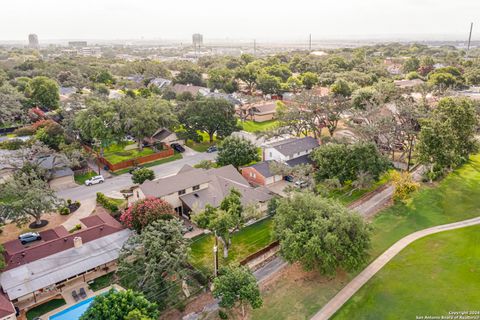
pixel 245 242
pixel 45 308
pixel 117 153
pixel 432 276
pixel 176 156
pixel 252 126
pixel 81 178
pixel 455 198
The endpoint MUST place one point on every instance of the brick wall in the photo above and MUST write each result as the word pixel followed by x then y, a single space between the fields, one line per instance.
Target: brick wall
pixel 253 176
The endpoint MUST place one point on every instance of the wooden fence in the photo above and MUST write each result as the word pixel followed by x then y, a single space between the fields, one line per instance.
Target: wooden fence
pixel 167 152
pixel 258 258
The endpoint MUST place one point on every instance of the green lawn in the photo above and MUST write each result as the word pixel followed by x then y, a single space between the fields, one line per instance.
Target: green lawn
pixel 252 126
pixel 116 153
pixel 81 178
pixel 102 282
pixel 176 156
pixel 346 196
pixel 245 242
pixel 455 198
pixel 432 276
pixel 44 308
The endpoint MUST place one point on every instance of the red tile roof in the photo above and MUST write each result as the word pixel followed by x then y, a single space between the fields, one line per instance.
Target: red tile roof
pixel 6 307
pixel 58 239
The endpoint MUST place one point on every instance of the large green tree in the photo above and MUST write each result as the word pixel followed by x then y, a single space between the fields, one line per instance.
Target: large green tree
pixel 29 197
pixel 99 124
pixel 237 152
pixel 160 252
pixel 143 117
pixel 222 79
pixel 268 83
pixel 209 115
pixel 121 305
pixel 321 233
pixel 11 109
pixel 43 92
pixel 447 138
pixel 222 221
pixel 345 162
pixel 236 285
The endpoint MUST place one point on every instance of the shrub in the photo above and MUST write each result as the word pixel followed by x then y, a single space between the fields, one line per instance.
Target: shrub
pixel 139 176
pixel 25 131
pixel 64 211
pixel 106 203
pixel 222 314
pixel 145 211
pixel 12 144
pixel 404 185
pixel 75 228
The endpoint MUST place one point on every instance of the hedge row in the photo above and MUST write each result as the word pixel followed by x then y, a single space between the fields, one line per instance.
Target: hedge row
pixel 106 202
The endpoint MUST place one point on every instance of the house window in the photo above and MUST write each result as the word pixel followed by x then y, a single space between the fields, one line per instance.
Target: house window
pixel 254 175
pixel 181 192
pixel 196 187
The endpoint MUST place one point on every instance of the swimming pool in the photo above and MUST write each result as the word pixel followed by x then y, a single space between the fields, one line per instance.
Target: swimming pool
pixel 74 312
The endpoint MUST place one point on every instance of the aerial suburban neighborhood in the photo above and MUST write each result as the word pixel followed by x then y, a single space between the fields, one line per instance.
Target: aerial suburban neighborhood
pixel 147 179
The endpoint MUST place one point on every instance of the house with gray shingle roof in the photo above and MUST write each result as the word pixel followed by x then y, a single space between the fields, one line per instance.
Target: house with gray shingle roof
pixel 191 189
pixel 290 149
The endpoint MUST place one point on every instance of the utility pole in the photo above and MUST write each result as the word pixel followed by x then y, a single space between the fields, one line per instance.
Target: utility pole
pixel 469 37
pixel 310 43
pixel 215 256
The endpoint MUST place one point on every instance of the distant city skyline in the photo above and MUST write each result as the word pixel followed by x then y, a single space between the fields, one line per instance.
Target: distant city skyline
pixel 263 20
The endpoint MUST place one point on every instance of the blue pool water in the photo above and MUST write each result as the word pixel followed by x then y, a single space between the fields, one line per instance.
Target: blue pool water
pixel 74 312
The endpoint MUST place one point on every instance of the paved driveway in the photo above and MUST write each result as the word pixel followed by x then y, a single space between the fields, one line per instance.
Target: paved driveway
pixel 117 183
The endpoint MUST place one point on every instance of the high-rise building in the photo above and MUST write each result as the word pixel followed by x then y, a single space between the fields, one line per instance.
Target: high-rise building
pixel 33 40
pixel 197 39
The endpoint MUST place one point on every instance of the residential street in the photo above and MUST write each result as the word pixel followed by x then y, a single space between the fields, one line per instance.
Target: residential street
pixel 117 183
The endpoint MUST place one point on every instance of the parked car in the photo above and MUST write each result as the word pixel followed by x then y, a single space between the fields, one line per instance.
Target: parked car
pixel 288 178
pixel 129 138
pixel 178 147
pixel 29 237
pixel 301 184
pixel 212 149
pixel 94 180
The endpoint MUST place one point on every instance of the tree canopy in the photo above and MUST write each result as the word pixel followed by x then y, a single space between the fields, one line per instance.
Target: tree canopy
pixel 321 234
pixel 121 305
pixel 154 261
pixel 237 152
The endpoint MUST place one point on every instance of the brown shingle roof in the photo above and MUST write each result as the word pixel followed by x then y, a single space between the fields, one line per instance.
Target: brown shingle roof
pixel 6 307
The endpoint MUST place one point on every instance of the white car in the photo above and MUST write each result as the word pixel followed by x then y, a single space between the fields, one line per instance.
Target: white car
pixel 94 180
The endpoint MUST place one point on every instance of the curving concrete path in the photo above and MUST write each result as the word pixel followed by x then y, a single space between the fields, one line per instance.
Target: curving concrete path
pixel 353 286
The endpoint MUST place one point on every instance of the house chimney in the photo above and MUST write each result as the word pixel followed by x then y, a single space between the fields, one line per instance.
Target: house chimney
pixel 77 242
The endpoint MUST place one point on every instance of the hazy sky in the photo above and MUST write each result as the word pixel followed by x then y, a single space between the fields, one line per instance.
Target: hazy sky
pixel 244 19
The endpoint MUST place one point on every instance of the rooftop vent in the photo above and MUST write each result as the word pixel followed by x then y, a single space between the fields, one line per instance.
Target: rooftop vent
pixel 77 242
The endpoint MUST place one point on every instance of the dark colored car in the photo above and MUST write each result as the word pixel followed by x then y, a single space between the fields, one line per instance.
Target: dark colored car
pixel 288 178
pixel 29 237
pixel 212 149
pixel 177 147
